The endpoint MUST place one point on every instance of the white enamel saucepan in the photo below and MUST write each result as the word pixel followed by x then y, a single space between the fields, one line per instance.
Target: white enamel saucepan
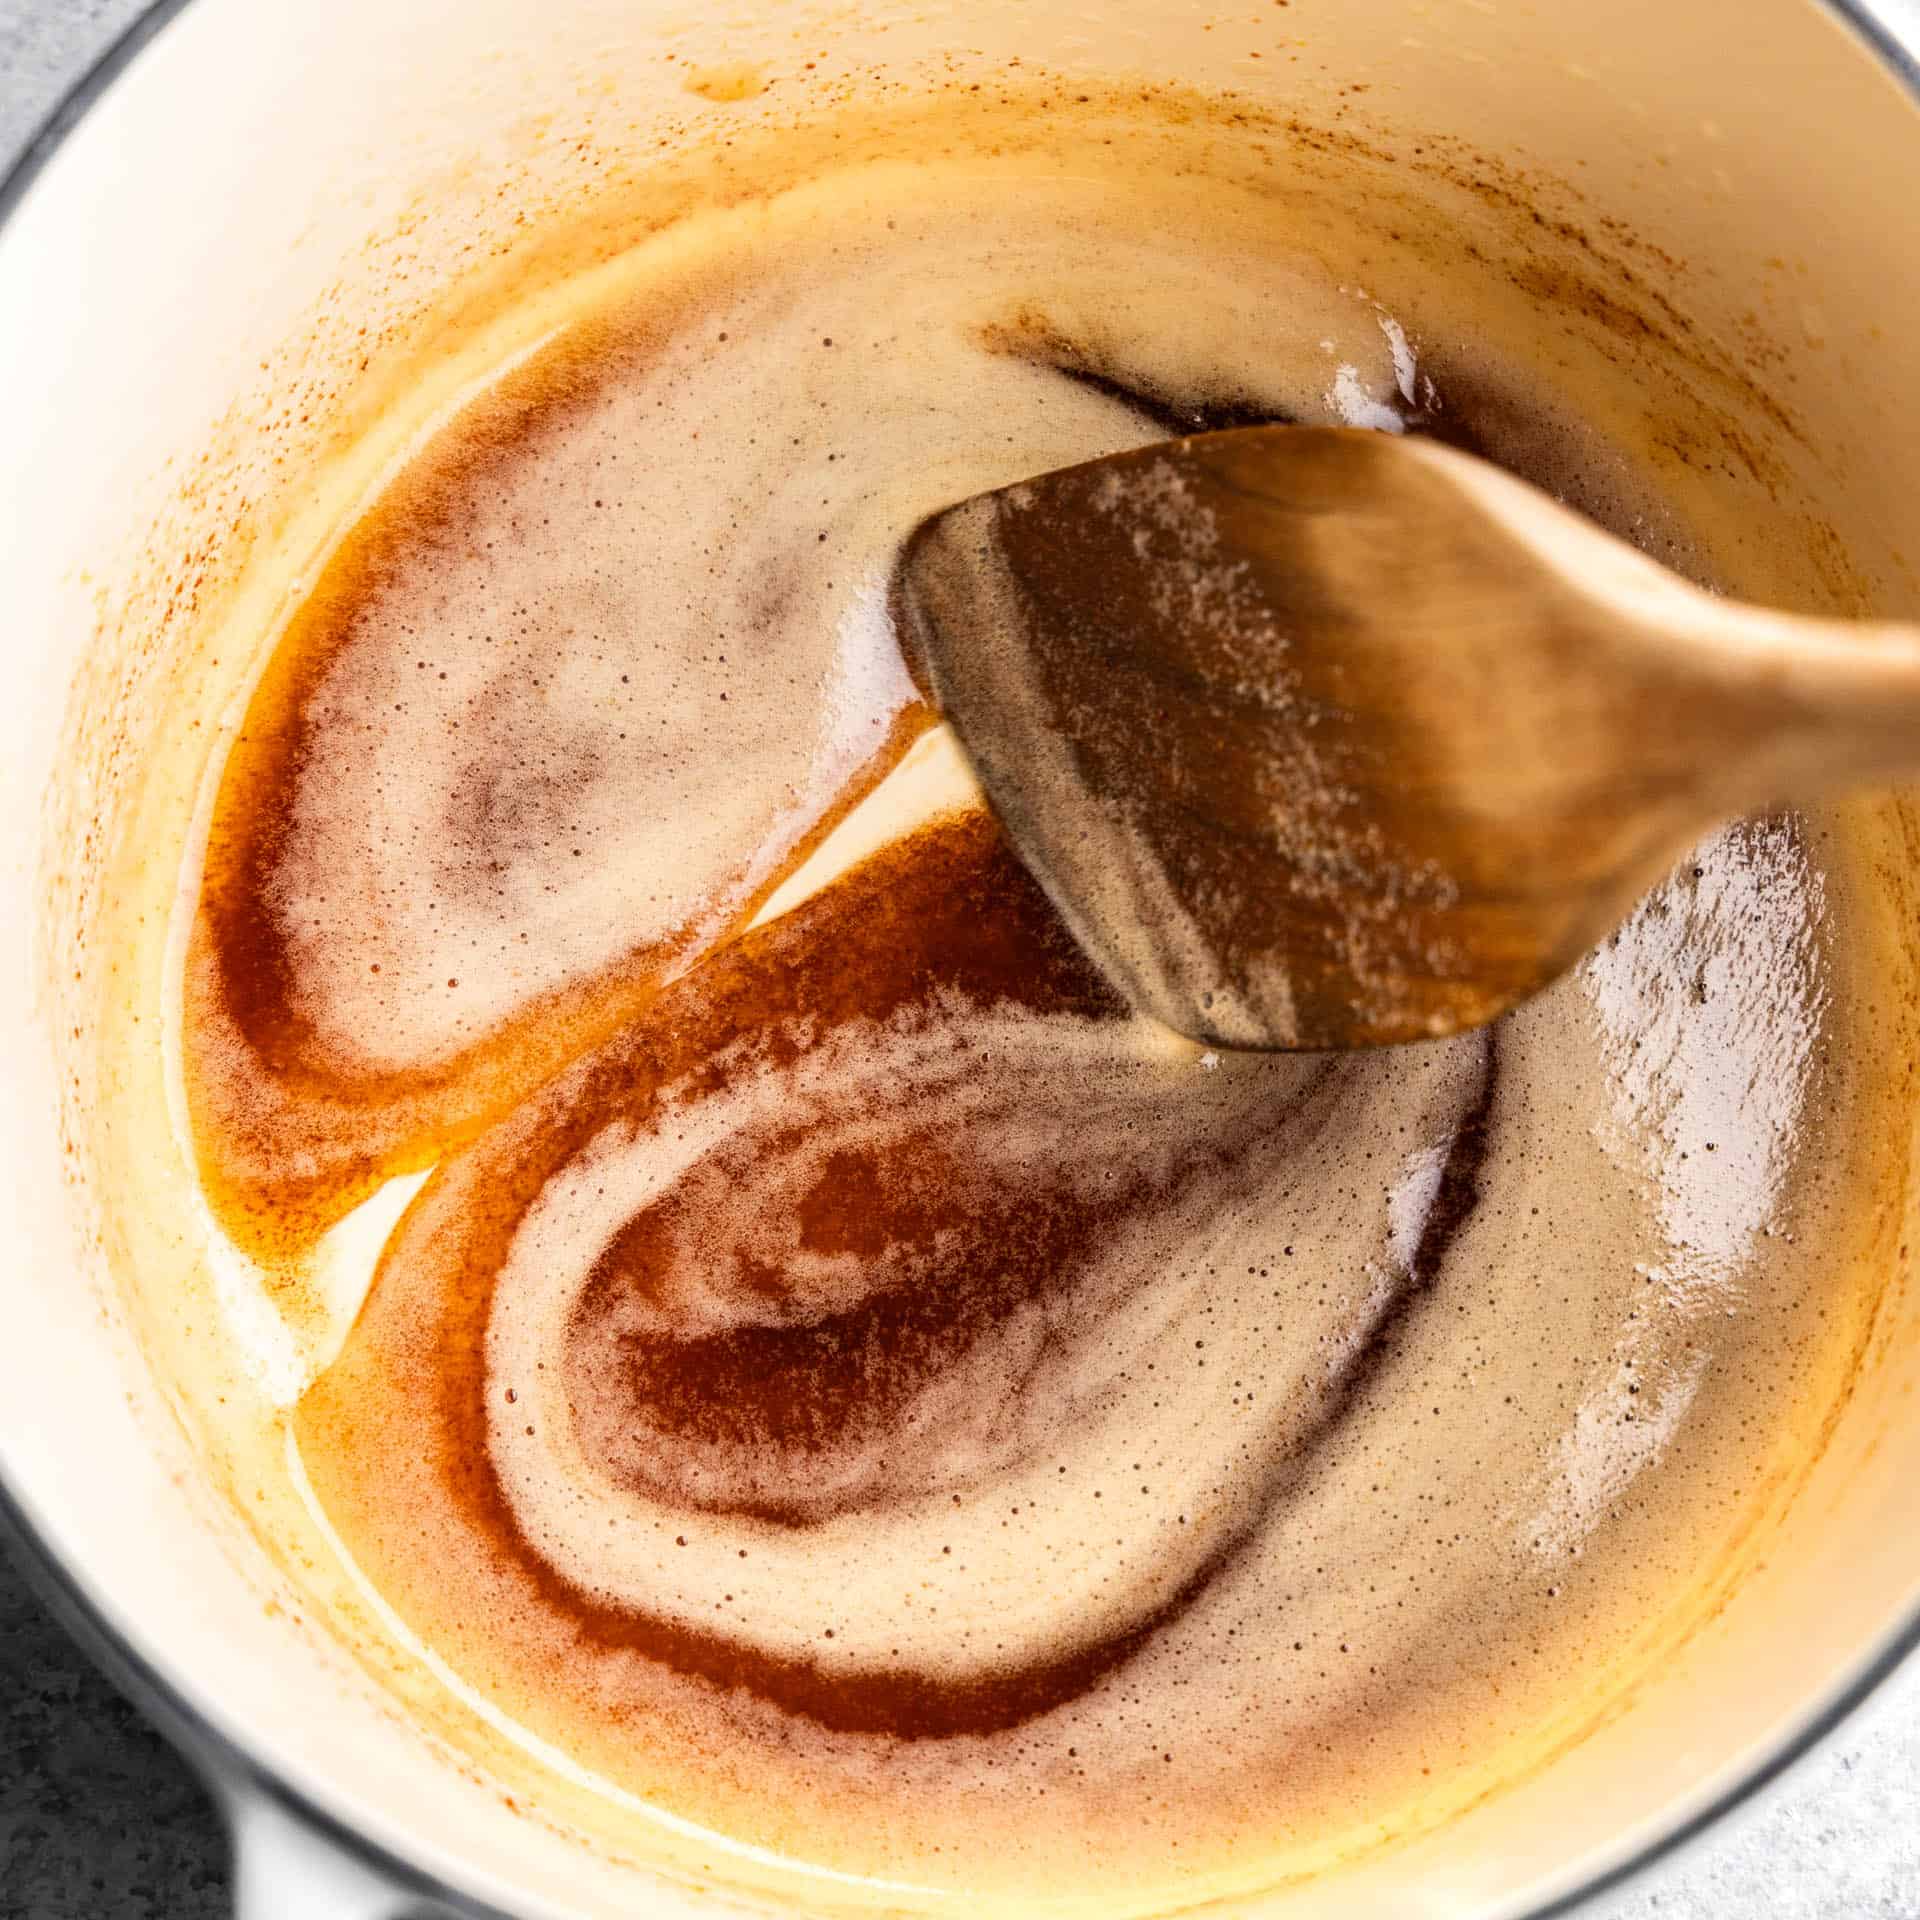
pixel 287 187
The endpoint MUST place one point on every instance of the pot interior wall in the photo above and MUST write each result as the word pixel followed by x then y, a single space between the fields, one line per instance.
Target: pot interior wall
pixel 250 238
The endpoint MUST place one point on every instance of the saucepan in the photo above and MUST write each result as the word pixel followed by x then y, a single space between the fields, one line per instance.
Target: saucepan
pixel 246 206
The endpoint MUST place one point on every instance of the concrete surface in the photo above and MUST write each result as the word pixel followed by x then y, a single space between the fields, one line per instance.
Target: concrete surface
pixel 99 1820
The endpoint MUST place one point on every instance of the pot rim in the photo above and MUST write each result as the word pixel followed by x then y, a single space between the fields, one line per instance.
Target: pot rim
pixel 233 1774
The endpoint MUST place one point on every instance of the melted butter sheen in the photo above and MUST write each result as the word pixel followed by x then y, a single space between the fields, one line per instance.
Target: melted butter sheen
pixel 848 1381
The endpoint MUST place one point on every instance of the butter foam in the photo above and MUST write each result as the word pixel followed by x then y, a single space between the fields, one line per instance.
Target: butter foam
pixel 843 1381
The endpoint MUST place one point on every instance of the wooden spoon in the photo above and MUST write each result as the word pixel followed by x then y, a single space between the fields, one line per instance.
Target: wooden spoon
pixel 1321 738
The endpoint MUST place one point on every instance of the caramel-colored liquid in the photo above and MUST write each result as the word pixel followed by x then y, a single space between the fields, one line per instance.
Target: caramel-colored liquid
pixel 848 1381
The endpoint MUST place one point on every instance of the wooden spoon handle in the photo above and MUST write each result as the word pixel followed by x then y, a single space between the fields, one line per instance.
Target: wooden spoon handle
pixel 1810 705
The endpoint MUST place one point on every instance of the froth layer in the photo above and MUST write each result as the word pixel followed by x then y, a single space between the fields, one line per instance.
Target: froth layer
pixel 891 1366
pixel 846 1313
pixel 846 1382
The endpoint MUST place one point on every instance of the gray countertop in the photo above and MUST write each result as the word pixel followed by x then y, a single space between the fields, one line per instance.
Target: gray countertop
pixel 99 1820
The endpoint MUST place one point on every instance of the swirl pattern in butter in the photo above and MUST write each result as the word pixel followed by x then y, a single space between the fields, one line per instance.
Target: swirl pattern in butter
pixel 846 1381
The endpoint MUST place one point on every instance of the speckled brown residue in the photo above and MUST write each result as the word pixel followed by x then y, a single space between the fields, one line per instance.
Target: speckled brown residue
pixel 725 84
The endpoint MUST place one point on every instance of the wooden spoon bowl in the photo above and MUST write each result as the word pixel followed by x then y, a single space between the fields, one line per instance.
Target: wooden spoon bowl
pixel 1325 739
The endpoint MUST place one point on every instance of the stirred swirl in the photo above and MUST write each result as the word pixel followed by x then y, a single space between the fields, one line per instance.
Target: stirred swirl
pixel 846 1380
pixel 865 1263
pixel 613 650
